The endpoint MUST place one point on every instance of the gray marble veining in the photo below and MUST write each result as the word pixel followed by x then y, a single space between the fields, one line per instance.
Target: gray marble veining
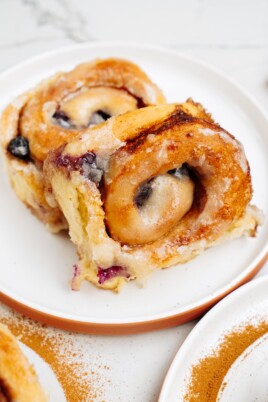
pixel 62 15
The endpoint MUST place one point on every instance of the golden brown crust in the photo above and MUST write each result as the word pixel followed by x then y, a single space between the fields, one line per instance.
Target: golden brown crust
pixel 143 147
pixel 195 109
pixel 18 380
pixel 114 85
pixel 112 73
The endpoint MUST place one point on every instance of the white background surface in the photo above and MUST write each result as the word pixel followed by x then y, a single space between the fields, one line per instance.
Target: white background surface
pixel 231 35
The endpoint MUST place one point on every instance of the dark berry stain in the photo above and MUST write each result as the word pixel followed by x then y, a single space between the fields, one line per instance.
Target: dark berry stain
pixel 19 147
pixel 143 195
pixel 85 164
pixel 112 272
pixel 75 163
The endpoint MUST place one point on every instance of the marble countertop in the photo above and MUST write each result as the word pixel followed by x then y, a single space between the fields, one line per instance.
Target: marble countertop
pixel 230 35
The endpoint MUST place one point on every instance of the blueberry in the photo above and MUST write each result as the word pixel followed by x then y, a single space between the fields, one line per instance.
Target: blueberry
pixel 98 118
pixel 89 167
pixel 92 173
pixel 103 115
pixel 62 119
pixel 89 158
pixel 19 147
pixel 143 194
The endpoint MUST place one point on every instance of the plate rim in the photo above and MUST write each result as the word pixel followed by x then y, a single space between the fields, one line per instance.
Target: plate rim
pixel 164 320
pixel 234 296
pixel 124 328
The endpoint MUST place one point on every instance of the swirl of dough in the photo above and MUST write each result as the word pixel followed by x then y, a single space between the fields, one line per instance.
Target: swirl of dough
pixel 56 111
pixel 168 184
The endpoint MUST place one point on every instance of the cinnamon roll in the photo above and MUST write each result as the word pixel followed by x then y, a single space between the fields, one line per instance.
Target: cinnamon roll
pixel 167 183
pixel 18 380
pixel 56 111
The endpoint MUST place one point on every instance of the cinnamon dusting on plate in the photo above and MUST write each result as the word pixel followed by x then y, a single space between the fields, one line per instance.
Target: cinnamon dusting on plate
pixel 58 349
pixel 208 374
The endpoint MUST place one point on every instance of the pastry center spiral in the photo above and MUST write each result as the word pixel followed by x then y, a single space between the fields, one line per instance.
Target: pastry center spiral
pixel 93 106
pixel 156 207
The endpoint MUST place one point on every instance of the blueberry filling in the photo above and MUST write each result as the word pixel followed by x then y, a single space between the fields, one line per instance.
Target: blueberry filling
pixel 145 191
pixel 112 272
pixel 179 172
pixel 62 119
pixel 92 173
pixel 143 195
pixel 74 163
pixel 89 158
pixel 19 147
pixel 98 118
pixel 85 164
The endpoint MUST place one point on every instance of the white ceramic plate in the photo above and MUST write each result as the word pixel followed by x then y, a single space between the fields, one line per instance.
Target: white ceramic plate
pixel 246 380
pixel 46 376
pixel 36 266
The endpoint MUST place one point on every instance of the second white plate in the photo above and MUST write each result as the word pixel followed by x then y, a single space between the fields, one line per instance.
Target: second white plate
pixel 246 379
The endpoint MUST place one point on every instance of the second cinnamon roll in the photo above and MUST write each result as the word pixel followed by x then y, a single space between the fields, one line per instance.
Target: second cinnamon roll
pixel 18 379
pixel 56 111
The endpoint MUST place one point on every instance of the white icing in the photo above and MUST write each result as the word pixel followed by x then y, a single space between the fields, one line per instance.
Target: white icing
pixel 62 78
pixel 161 251
pixel 202 160
pixel 151 93
pixel 49 109
pixel 207 131
pixel 256 213
pixel 163 154
pixel 242 160
pixel 43 126
pixel 103 163
pixel 18 102
pixel 79 84
pixel 240 153
pixel 226 184
pixel 125 248
pixel 150 137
